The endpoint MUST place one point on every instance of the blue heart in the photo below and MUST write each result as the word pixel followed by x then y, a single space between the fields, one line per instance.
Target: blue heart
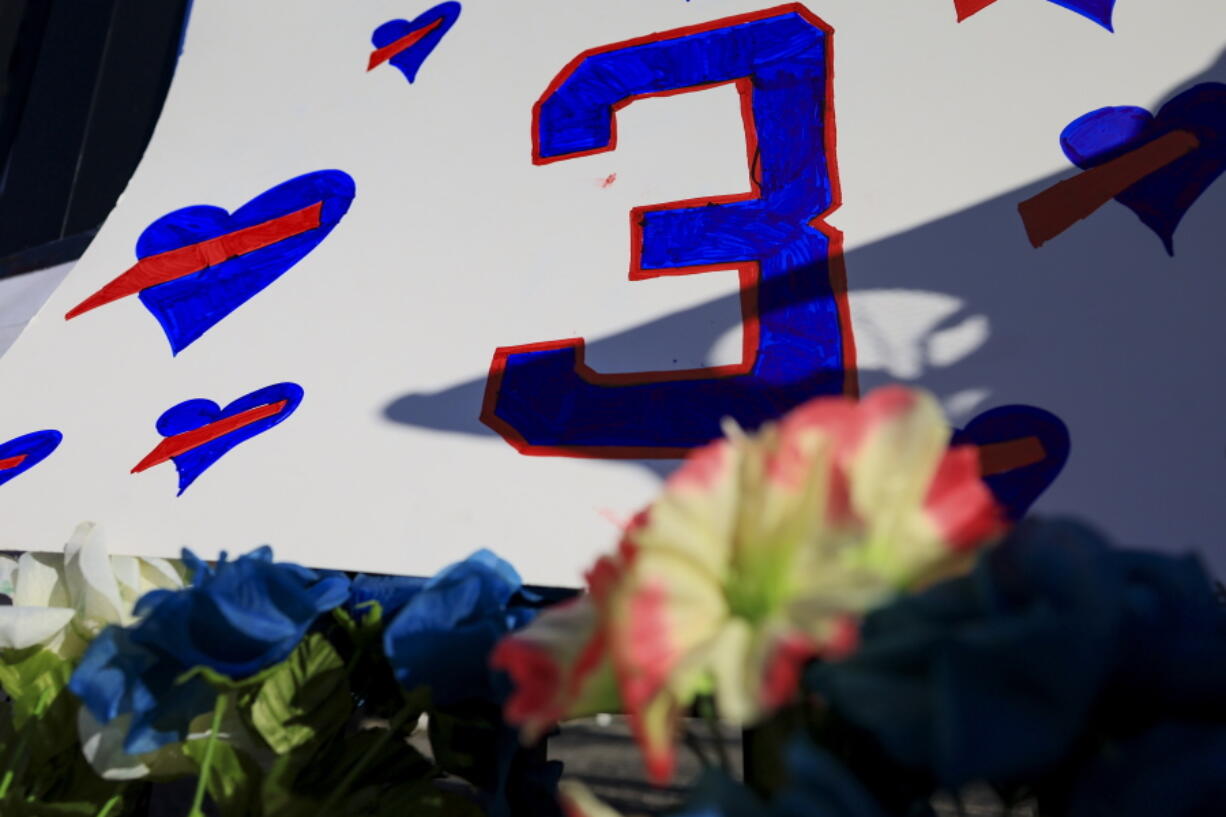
pixel 35 447
pixel 409 61
pixel 1016 490
pixel 193 414
pixel 189 306
pixel 1097 10
pixel 1161 199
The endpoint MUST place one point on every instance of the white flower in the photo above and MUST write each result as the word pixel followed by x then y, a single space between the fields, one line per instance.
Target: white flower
pixel 84 588
pixel 61 602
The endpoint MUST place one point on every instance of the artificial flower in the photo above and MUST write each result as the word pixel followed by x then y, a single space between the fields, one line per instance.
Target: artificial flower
pixel 1056 641
pixel 443 634
pixel 759 555
pixel 239 617
pixel 83 587
pixel 392 593
pixel 234 620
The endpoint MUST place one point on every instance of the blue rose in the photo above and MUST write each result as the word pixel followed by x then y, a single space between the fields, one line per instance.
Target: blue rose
pixel 118 676
pixel 443 634
pixel 236 620
pixel 240 618
pixel 391 592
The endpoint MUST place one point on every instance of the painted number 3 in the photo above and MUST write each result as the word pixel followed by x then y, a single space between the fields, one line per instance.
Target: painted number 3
pixel 543 399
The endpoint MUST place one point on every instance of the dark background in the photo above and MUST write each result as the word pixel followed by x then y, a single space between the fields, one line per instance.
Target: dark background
pixel 81 86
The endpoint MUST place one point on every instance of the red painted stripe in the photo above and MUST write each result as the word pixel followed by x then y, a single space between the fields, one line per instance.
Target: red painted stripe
pixel 181 443
pixel 167 266
pixel 382 55
pixel 1061 206
pixel 966 8
pixel 997 458
pixel 12 462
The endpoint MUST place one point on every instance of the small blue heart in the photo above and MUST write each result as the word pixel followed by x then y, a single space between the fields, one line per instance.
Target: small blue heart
pixel 189 306
pixel 1162 198
pixel 29 450
pixel 1097 10
pixel 443 17
pixel 1016 490
pixel 194 414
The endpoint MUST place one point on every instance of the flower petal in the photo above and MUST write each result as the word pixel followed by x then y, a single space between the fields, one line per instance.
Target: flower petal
pixel 560 668
pixel 91 578
pixel 102 745
pixel 39 581
pixel 8 569
pixel 695 515
pixel 959 503
pixel 22 627
pixel 904 437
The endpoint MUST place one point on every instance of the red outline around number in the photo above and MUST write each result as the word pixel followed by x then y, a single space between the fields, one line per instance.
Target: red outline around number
pixel 748 272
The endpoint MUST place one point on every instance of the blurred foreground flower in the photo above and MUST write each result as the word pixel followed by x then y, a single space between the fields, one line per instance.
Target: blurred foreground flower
pixel 83 588
pixel 233 621
pixel 443 634
pixel 760 555
pixel 1059 652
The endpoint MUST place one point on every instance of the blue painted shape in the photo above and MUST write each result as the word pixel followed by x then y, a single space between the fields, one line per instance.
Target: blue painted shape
pixel 409 61
pixel 1097 10
pixel 1161 199
pixel 188 307
pixel 35 447
pixel 192 414
pixel 543 403
pixel 1017 490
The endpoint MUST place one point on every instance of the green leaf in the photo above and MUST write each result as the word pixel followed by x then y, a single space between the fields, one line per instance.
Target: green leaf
pixel 392 761
pixel 37 681
pixel 234 779
pixel 471 742
pixel 306 699
pixel 224 683
pixel 43 711
pixel 26 808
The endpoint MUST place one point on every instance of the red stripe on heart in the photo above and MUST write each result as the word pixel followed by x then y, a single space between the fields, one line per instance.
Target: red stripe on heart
pixel 382 55
pixel 182 443
pixel 966 8
pixel 997 458
pixel 167 266
pixel 1061 206
pixel 12 462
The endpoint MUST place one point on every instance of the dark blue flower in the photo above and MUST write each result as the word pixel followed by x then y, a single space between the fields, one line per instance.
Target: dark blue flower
pixel 117 676
pixel 1173 769
pixel 391 592
pixel 237 619
pixel 1055 637
pixel 442 637
pixel 240 617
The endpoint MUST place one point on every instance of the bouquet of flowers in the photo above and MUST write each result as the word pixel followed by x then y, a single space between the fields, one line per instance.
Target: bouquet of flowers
pixel 841 584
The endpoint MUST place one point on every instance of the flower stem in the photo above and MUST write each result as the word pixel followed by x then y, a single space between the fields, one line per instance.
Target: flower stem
pixel 110 805
pixel 205 766
pixel 23 738
pixel 19 752
pixel 706 706
pixel 408 710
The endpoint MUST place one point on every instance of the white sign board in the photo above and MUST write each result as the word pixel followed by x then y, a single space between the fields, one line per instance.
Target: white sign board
pixel 338 311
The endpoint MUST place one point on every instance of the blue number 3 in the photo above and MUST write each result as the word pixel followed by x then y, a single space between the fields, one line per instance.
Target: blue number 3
pixel 543 399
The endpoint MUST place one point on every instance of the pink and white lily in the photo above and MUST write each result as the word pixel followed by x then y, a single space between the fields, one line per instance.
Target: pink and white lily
pixel 761 553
